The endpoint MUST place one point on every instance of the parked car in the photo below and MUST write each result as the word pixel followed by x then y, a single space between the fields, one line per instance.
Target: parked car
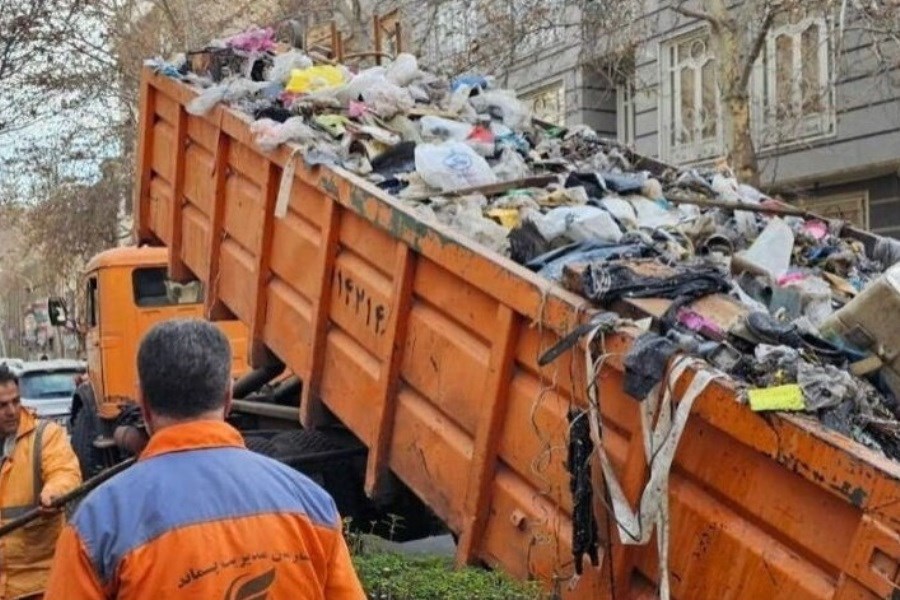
pixel 47 386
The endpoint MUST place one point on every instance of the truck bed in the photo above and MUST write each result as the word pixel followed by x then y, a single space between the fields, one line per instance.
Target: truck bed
pixel 425 345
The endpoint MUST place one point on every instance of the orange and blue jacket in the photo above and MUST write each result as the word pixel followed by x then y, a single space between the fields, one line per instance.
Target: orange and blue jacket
pixel 51 466
pixel 200 516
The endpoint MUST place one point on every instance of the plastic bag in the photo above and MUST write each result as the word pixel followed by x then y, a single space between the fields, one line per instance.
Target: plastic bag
pixel 269 134
pixel 439 128
pixel 452 166
pixel 314 78
pixel 503 103
pixel 387 99
pixel 652 215
pixel 622 210
pixel 254 40
pixel 578 224
pixel 284 64
pixel 360 83
pixel 231 91
pixel 511 166
pixel 206 101
pixel 403 70
pixel 469 219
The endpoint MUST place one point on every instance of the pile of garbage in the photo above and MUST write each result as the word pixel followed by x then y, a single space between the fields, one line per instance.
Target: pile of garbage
pixel 812 294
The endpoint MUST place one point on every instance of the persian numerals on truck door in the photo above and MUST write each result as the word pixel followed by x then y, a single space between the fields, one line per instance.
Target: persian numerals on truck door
pixel 355 296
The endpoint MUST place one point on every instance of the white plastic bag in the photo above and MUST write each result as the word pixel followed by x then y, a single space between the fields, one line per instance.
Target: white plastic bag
pixel 452 166
pixel 359 83
pixel 269 134
pixel 515 113
pixel 511 166
pixel 387 99
pixel 231 91
pixel 651 215
pixel 577 223
pixel 403 70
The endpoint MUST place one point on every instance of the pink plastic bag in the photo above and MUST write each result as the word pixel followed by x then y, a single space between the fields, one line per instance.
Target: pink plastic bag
pixel 253 40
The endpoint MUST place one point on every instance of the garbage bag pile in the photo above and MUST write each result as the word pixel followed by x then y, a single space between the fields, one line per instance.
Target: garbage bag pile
pixel 814 332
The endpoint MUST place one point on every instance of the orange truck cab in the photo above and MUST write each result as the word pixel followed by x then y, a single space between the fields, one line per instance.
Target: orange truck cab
pixel 127 292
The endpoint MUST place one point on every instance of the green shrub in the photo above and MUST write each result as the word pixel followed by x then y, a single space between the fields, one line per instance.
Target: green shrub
pixel 389 576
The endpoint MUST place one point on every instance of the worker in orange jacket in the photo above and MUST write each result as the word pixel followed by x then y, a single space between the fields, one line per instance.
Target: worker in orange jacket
pixel 199 515
pixel 38 464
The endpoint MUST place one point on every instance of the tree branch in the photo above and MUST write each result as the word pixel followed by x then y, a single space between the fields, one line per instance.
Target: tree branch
pixel 756 48
pixel 696 14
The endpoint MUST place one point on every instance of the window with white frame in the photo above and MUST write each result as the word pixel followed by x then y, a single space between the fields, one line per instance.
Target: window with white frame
pixel 625 112
pixel 548 103
pixel 794 88
pixel 690 111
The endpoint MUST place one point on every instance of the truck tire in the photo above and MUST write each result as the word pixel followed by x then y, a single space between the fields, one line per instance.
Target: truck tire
pixel 85 430
pixel 261 445
pixel 303 441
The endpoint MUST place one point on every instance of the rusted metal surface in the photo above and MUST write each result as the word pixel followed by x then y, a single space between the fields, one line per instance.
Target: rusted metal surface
pixel 426 346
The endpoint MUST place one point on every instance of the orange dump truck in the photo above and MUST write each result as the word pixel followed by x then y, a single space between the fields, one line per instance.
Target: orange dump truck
pixel 425 346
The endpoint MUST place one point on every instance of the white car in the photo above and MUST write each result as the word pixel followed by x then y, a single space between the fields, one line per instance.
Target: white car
pixel 47 386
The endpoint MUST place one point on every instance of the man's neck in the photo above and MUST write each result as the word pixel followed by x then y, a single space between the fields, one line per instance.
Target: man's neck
pixel 161 422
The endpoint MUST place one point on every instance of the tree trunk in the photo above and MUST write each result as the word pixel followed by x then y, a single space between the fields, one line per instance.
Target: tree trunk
pixel 739 139
pixel 729 42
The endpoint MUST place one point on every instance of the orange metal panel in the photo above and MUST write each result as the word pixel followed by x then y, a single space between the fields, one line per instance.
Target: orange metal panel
pixel 456 299
pixel 446 364
pixel 361 302
pixel 163 145
pixel 244 203
pixel 310 203
pixel 237 269
pixel 349 382
pixel 203 134
pixel 167 108
pixel 159 209
pixel 432 455
pixel 199 177
pixel 195 236
pixel 288 323
pixel 297 245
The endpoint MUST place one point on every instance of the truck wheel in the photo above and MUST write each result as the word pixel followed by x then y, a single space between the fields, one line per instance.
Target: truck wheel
pixel 85 430
pixel 261 445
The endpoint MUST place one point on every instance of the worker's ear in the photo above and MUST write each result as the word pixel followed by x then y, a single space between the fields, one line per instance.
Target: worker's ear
pixel 145 414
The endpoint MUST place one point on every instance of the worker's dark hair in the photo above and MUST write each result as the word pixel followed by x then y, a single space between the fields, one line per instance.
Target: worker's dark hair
pixel 7 376
pixel 184 368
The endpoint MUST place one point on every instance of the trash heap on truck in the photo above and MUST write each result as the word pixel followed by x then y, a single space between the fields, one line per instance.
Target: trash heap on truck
pixel 809 332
